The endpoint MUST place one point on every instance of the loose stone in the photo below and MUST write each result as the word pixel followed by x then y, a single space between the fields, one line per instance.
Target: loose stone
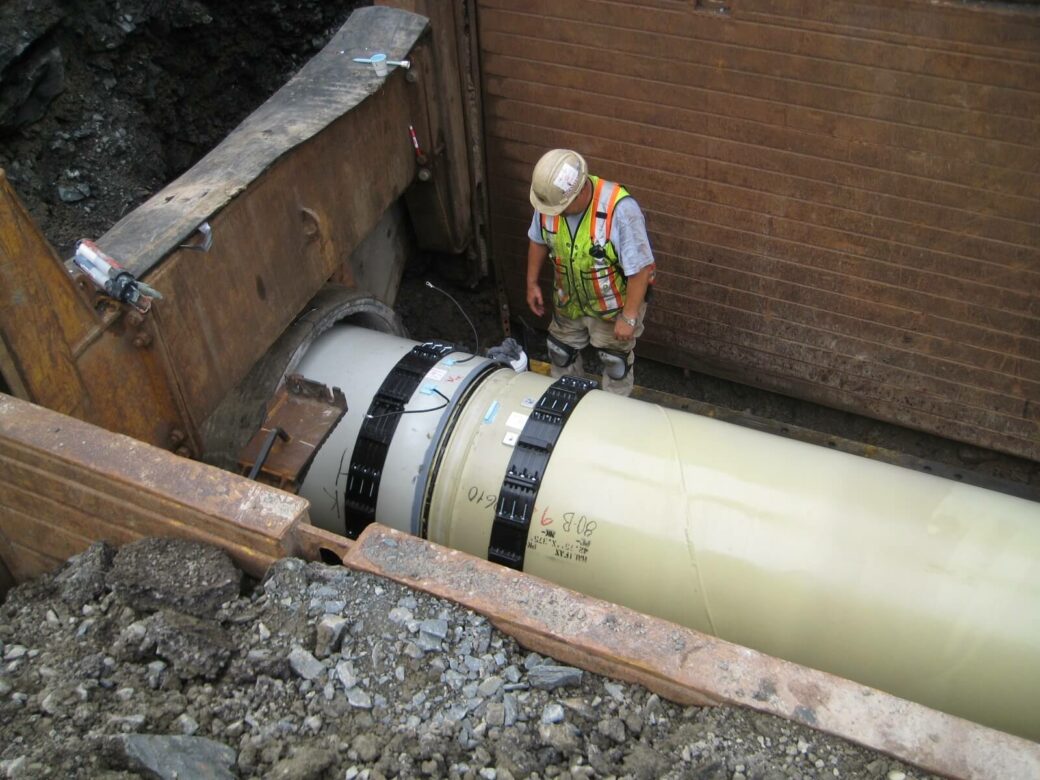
pixel 548 677
pixel 304 664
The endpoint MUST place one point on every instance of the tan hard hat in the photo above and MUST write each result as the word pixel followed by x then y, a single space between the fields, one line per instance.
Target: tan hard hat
pixel 557 179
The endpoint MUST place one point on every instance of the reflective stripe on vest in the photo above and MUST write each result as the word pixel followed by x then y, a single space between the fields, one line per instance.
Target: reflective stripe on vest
pixel 607 293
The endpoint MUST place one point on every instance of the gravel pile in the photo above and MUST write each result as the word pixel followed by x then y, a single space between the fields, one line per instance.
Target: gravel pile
pixel 162 660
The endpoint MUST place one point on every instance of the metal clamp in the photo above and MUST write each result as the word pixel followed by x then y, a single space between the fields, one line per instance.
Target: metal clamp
pixel 206 232
pixel 377 433
pixel 265 450
pixel 527 467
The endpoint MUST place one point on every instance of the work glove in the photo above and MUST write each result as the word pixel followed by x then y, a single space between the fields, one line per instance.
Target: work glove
pixel 511 353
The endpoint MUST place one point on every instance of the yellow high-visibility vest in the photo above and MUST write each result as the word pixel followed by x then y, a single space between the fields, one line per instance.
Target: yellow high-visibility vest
pixel 588 277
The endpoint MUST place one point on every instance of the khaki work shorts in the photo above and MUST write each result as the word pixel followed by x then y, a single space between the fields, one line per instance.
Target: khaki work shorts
pixel 581 332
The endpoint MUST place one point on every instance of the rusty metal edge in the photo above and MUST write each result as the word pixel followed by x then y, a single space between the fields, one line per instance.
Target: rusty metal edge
pixel 164 494
pixel 689 667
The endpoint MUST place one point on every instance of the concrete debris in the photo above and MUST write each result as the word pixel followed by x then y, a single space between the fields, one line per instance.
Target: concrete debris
pixel 438 629
pixel 358 698
pixel 305 764
pixel 553 713
pixel 73 193
pixel 613 728
pixel 186 724
pixel 563 737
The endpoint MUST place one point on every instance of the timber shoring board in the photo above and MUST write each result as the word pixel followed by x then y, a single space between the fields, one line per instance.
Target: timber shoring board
pixel 842 199
pixel 690 667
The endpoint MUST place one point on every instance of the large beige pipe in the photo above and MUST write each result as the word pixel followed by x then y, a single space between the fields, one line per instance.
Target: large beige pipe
pixel 926 588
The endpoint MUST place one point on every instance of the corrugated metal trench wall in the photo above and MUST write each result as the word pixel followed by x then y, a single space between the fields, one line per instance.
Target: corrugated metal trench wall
pixel 842 196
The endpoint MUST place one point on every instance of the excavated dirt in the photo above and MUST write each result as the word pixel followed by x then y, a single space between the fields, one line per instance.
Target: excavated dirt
pixel 101 104
pixel 317 672
pixel 120 665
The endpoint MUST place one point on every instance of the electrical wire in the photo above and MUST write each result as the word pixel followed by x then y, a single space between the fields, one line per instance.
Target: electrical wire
pixel 413 411
pixel 476 338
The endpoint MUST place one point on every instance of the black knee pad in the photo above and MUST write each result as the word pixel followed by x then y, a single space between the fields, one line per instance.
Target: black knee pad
pixel 561 355
pixel 615 363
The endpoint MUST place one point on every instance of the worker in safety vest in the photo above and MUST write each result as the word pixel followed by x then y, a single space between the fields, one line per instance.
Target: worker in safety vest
pixel 603 269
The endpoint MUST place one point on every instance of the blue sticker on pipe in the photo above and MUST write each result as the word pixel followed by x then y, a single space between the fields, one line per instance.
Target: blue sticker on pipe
pixel 492 412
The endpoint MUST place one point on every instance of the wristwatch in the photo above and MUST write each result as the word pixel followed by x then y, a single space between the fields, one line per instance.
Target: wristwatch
pixel 633 321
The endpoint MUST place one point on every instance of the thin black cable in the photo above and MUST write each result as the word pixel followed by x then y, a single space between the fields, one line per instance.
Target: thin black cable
pixel 476 338
pixel 525 332
pixel 413 411
pixel 335 495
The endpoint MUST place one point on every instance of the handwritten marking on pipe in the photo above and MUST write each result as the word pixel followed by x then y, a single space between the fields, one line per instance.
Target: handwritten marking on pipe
pixel 569 539
pixel 583 526
pixel 479 496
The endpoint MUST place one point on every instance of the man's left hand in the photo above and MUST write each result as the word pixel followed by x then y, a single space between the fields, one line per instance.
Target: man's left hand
pixel 623 331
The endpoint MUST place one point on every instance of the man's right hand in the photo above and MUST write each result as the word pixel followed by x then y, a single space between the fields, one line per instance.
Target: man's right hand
pixel 537 254
pixel 534 299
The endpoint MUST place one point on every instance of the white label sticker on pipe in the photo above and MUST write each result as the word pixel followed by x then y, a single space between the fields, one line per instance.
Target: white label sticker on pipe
pixel 436 374
pixel 510 438
pixel 516 420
